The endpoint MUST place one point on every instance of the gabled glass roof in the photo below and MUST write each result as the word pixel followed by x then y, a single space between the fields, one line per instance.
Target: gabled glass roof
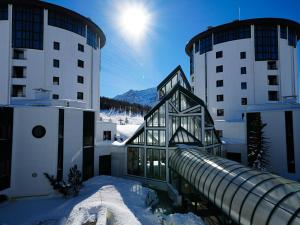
pixel 182 136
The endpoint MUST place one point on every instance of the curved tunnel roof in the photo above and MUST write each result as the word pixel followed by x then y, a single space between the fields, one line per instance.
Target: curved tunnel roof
pixel 257 21
pixel 247 196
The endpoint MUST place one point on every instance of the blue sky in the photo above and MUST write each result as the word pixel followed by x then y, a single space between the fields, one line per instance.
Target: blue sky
pixel 174 23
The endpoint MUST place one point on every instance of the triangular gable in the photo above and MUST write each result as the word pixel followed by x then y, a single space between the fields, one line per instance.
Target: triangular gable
pixel 182 136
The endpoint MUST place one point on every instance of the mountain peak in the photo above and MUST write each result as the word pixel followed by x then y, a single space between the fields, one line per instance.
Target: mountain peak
pixel 144 97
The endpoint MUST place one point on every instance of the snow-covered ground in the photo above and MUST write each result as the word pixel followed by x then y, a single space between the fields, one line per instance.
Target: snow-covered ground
pixel 103 200
pixel 124 118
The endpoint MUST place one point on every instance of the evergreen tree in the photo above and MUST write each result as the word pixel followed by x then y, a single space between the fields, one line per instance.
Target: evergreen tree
pixel 258 147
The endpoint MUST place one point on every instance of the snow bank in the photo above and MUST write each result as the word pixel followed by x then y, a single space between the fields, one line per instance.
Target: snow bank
pixel 183 219
pixel 116 117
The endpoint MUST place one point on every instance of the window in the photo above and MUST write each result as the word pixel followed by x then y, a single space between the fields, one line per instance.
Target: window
pixel 56 45
pixel 219 54
pixel 219 83
pixel 266 43
pixel 192 78
pixel 231 34
pixel 135 161
pixel 219 133
pixel 219 69
pixel 80 47
pixel 55 96
pixel 19 72
pixel 66 22
pixel 283 32
pixel 220 98
pixel 206 44
pixel 156 163
pixel 220 112
pixel 197 46
pixel 273 95
pixel 107 135
pixel 18 91
pixel 243 70
pixel 4 12
pixel 243 55
pixel 19 54
pixel 80 63
pixel 92 38
pixel 292 38
pixel 272 80
pixel 27 27
pixel 272 65
pixel 244 85
pixel 55 80
pixel 156 137
pixel 192 63
pixel 80 79
pixel 193 89
pixel 56 63
pixel 38 131
pixel 290 148
pixel 158 118
pixel 244 101
pixel 80 95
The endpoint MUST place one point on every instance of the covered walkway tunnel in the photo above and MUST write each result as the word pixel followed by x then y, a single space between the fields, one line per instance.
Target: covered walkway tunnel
pixel 245 195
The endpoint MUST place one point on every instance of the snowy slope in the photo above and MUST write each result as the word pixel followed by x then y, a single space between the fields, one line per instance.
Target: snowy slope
pixel 143 97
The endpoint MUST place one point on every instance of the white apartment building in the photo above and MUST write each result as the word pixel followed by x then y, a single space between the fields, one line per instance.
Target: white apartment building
pixel 245 63
pixel 49 95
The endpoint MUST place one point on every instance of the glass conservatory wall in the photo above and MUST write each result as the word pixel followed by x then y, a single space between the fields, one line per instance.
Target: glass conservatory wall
pixel 156 163
pixel 135 161
pixel 156 137
pixel 158 117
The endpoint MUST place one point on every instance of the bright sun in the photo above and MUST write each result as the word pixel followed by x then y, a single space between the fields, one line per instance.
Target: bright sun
pixel 134 21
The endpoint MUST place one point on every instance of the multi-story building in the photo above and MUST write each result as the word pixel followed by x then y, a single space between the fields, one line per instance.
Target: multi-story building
pixel 48 52
pixel 49 93
pixel 239 65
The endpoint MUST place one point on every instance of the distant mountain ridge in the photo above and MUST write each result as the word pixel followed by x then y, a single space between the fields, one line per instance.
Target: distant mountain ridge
pixel 145 97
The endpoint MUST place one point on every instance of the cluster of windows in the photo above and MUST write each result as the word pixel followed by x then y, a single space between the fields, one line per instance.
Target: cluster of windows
pixel 206 44
pixel 266 43
pixel 292 38
pixel 92 38
pixel 135 161
pixel 192 124
pixel 158 118
pixel 232 34
pixel 66 22
pixel 3 12
pixel 166 88
pixel 28 28
pixel 156 137
pixel 156 163
pixel 181 102
pixel 283 32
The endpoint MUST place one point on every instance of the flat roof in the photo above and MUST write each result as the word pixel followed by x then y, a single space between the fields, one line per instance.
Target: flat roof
pixel 256 21
pixel 62 10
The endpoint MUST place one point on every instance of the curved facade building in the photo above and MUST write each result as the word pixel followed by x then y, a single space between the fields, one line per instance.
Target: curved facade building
pixel 244 63
pixel 48 53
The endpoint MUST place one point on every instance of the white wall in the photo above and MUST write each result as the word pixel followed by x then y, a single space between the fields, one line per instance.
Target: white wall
pixel 32 155
pixel 102 126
